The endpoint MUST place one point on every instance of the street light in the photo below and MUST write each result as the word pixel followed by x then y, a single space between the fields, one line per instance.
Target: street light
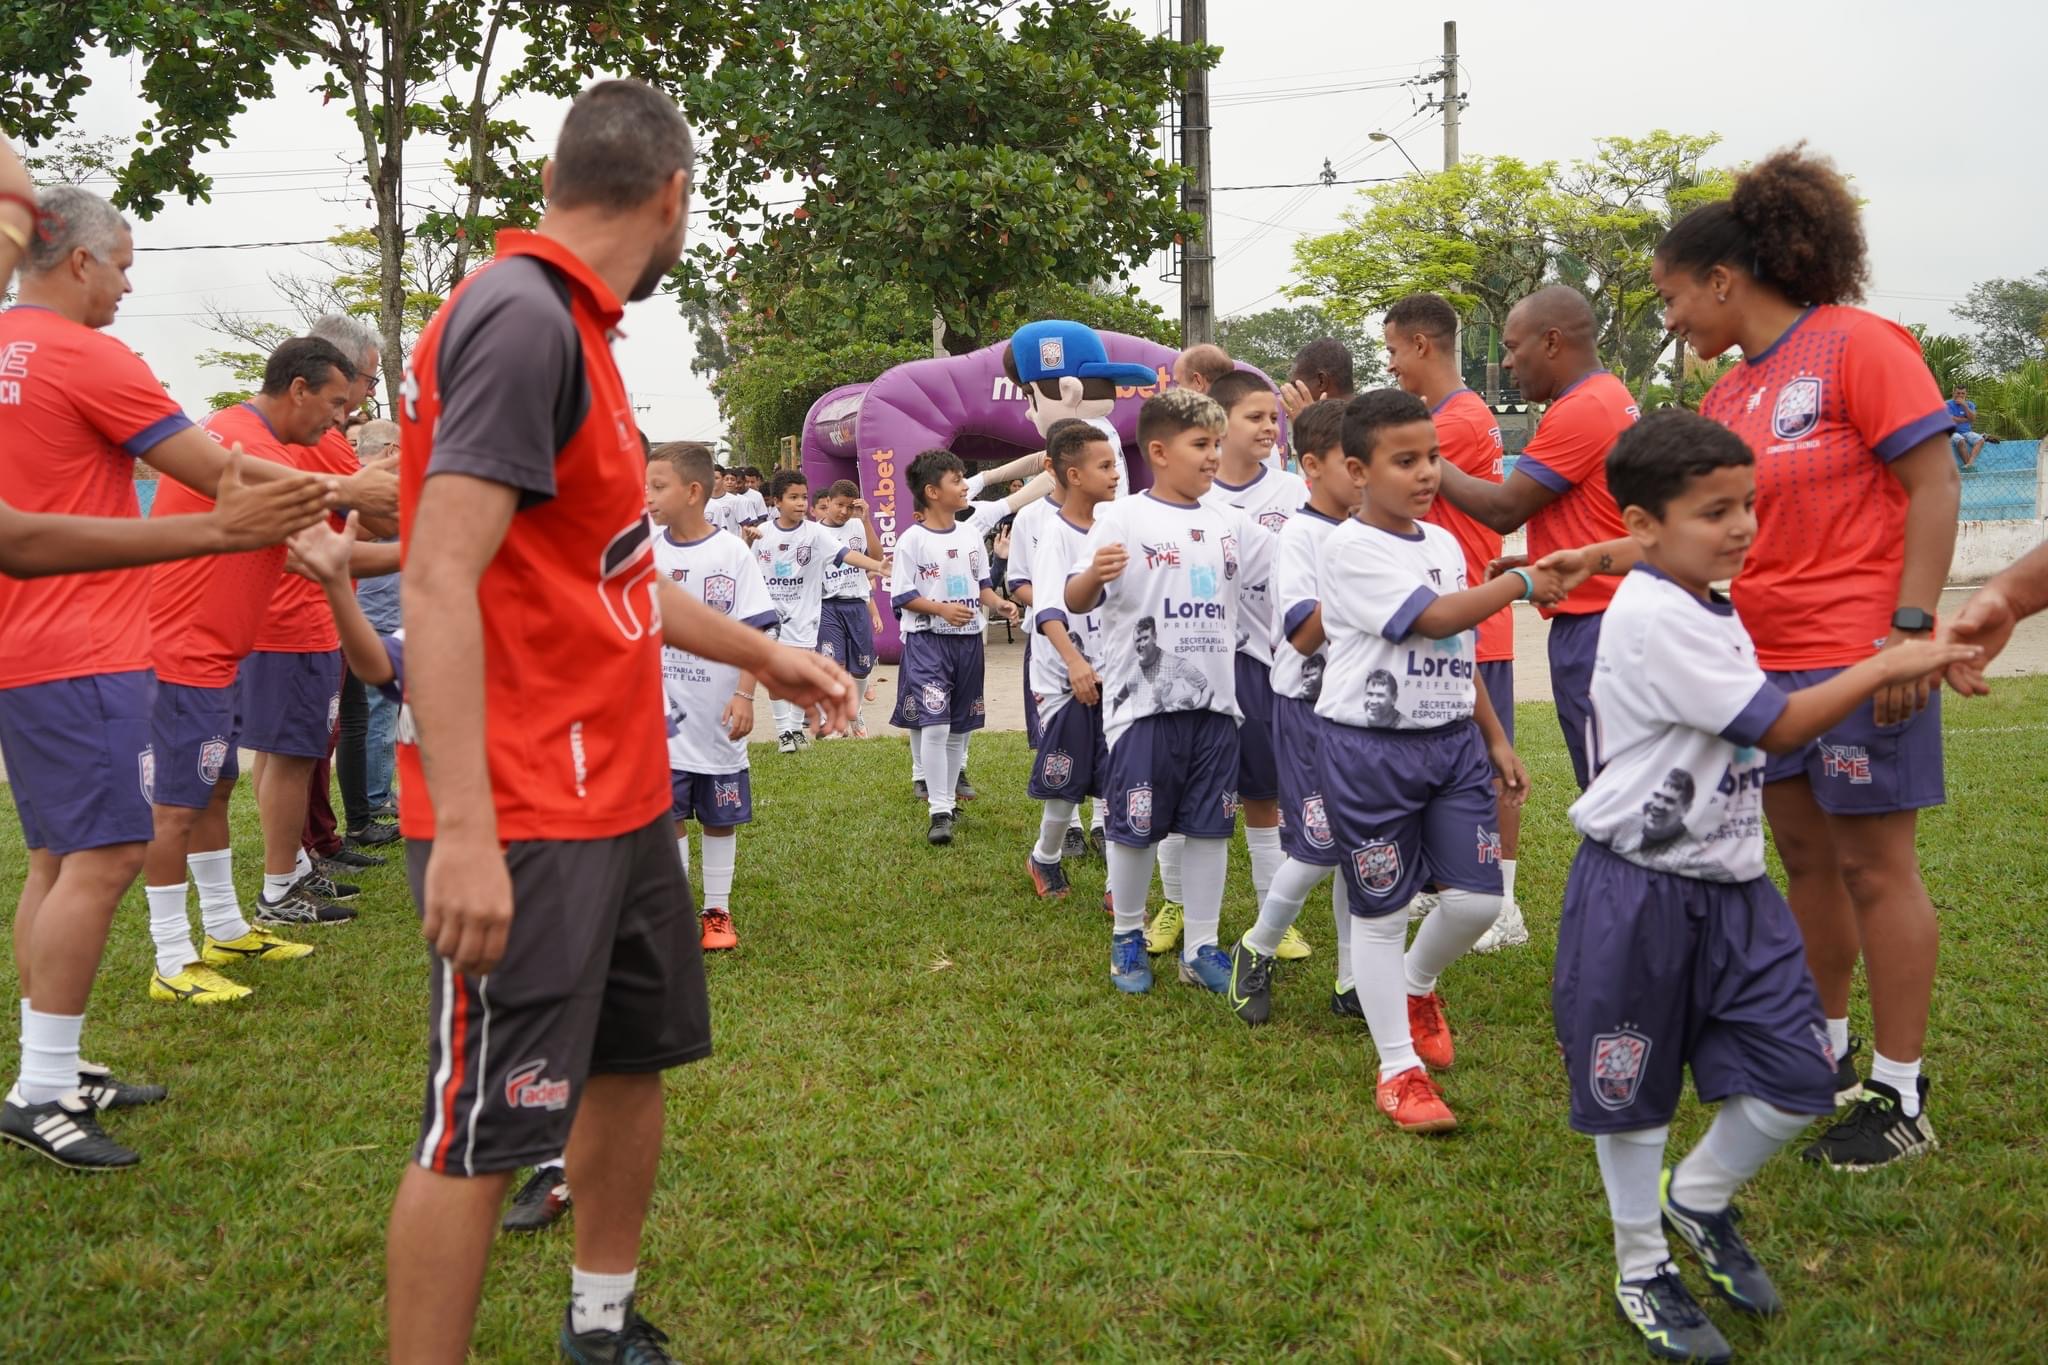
pixel 1389 137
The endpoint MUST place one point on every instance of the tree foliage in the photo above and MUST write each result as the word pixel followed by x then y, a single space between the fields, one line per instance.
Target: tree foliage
pixel 2010 318
pixel 1270 340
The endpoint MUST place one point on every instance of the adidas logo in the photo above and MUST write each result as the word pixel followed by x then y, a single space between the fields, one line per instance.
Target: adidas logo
pixel 58 1131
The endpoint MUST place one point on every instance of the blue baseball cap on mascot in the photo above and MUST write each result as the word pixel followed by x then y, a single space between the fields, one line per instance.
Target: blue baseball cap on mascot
pixel 1055 349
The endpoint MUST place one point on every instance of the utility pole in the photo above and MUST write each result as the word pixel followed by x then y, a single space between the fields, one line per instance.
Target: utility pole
pixel 1198 274
pixel 1452 101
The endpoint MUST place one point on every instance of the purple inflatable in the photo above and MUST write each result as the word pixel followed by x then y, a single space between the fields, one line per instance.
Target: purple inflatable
pixel 870 432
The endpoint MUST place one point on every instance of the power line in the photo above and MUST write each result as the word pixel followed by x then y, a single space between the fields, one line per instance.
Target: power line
pixel 1308 185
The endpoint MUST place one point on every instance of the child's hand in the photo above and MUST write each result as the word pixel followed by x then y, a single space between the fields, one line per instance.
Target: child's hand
pixel 1910 669
pixel 321 553
pixel 1087 683
pixel 860 507
pixel 738 718
pixel 1109 562
pixel 1006 609
pixel 955 613
pixel 1510 778
pixel 1549 586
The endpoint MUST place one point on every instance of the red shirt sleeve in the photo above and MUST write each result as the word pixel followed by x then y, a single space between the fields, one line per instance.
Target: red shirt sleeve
pixel 1567 448
pixel 1888 394
pixel 122 400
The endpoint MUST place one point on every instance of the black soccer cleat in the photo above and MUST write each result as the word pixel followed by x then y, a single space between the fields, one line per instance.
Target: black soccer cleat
pixel 1730 1265
pixel 1848 1082
pixel 376 834
pixel 1073 844
pixel 1344 1004
pixel 1670 1319
pixel 1098 841
pixel 65 1130
pixel 1251 984
pixel 101 1089
pixel 540 1203
pixel 639 1342
pixel 349 859
pixel 300 906
pixel 963 790
pixel 324 886
pixel 941 831
pixel 920 791
pixel 1875 1132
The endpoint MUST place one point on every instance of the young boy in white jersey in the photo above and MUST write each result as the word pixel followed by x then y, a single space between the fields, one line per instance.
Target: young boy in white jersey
pixel 1414 761
pixel 941 585
pixel 1164 572
pixel 1310 853
pixel 1073 756
pixel 795 554
pixel 710 705
pixel 1675 948
pixel 846 632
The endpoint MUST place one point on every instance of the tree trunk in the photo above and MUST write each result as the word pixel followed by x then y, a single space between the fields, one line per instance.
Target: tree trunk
pixel 479 118
pixel 391 194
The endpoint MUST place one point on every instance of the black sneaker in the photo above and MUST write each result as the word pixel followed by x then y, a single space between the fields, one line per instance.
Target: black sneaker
pixel 963 790
pixel 1876 1132
pixel 639 1342
pixel 1848 1083
pixel 1099 842
pixel 1073 845
pixel 66 1131
pixel 1727 1259
pixel 1344 1004
pixel 346 861
pixel 320 884
pixel 920 791
pixel 1049 880
pixel 541 1201
pixel 99 1087
pixel 1673 1324
pixel 376 834
pixel 1251 984
pixel 941 831
pixel 300 906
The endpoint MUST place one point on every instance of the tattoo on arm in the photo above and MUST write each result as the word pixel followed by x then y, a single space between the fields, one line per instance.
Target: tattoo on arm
pixel 1606 562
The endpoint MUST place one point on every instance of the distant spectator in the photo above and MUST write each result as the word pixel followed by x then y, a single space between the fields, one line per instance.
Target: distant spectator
pixel 1965 442
pixel 1322 369
pixel 376 823
pixel 1200 366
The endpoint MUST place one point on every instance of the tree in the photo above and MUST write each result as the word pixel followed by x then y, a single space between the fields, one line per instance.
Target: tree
pixel 2011 318
pixel 73 159
pixel 402 72
pixel 953 150
pixel 1270 340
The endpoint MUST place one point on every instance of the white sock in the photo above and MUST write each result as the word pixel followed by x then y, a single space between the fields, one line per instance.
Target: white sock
pixel 1130 882
pixel 787 718
pixel 1903 1077
pixel 1264 847
pixel 1206 862
pixel 275 884
pixel 1074 820
pixel 1340 910
pixel 49 1055
pixel 1052 829
pixel 1838 1036
pixel 683 853
pixel 1286 893
pixel 932 743
pixel 1098 813
pixel 213 872
pixel 956 754
pixel 1376 969
pixel 598 1302
pixel 1507 880
pixel 916 758
pixel 1744 1135
pixel 169 927
pixel 1461 918
pixel 1169 866
pixel 302 864
pixel 1631 1167
pixel 720 857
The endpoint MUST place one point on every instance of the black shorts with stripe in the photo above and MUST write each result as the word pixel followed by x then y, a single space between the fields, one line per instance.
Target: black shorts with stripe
pixel 603 974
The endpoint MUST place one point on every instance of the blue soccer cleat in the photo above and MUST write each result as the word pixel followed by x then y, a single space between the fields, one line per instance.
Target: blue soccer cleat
pixel 1130 970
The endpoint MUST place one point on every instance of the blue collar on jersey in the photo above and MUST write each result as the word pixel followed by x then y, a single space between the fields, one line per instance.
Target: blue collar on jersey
pixel 1466 388
pixel 1765 353
pixel 1252 482
pixel 1169 502
pixel 1395 534
pixel 1308 510
pixel 670 537
pixel 1597 369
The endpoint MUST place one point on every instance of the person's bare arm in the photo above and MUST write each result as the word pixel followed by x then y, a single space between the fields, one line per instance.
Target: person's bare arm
pixel 1989 618
pixel 1503 507
pixel 372 559
pixel 1934 492
pixel 867 562
pixel 19 221
pixel 1084 588
pixel 1308 637
pixel 998 605
pixel 1081 674
pixel 1022 467
pixel 1455 612
pixel 322 554
pixel 373 491
pixel 195 459
pixel 1509 773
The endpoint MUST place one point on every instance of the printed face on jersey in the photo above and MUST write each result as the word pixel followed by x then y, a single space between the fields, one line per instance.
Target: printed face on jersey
pixel 1145 635
pixel 1664 812
pixel 1382 694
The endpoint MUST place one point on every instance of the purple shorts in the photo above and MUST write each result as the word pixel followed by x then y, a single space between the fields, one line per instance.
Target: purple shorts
pixel 1173 774
pixel 719 801
pixel 1656 972
pixel 1073 759
pixel 1574 640
pixel 195 733
pixel 1034 724
pixel 1257 777
pixel 846 636
pixel 1410 806
pixel 938 682
pixel 1498 678
pixel 79 762
pixel 290 702
pixel 1861 767
pixel 1297 749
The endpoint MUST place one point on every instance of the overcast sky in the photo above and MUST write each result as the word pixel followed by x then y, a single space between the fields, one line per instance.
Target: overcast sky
pixel 1931 108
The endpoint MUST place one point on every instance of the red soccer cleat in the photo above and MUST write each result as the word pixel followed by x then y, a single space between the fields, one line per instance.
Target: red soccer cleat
pixel 718 934
pixel 1431 1031
pixel 1412 1100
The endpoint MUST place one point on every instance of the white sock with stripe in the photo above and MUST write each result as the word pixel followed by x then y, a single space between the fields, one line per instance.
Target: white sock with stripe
pixel 220 911
pixel 169 928
pixel 49 1055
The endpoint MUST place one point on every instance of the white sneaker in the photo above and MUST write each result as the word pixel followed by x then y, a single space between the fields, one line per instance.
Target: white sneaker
pixel 1424 902
pixel 786 743
pixel 1508 931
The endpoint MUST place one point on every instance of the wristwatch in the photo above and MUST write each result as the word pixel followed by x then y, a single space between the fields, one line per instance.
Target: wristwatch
pixel 1912 620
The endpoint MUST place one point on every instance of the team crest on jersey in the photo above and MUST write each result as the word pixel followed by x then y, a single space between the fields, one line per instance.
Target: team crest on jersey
pixel 933 696
pixel 1273 521
pixel 720 592
pixel 830 649
pixel 213 756
pixel 1138 809
pixel 1798 409
pixel 1229 557
pixel 726 792
pixel 1378 866
pixel 1059 767
pixel 145 773
pixel 803 556
pixel 980 707
pixel 1618 1059
pixel 1847 762
pixel 1489 846
pixel 333 710
pixel 1315 822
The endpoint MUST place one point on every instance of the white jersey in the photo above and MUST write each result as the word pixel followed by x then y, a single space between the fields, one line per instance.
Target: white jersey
pixel 1169 622
pixel 1381 675
pixel 1060 553
pixel 718 511
pixel 1269 499
pixel 939 566
pixel 749 508
pixel 1027 532
pixel 845 580
pixel 1679 705
pixel 794 561
pixel 1297 590
pixel 720 572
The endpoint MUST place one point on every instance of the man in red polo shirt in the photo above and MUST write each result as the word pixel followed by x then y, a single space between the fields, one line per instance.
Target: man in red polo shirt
pixel 567 970
pixel 1559 487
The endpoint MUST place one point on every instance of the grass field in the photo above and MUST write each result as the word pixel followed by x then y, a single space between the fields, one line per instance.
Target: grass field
pixel 931 1130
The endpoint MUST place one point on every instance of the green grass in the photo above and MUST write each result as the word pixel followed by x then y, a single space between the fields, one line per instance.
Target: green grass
pixel 932 1130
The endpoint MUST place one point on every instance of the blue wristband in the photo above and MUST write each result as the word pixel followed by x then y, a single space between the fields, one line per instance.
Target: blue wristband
pixel 1528 583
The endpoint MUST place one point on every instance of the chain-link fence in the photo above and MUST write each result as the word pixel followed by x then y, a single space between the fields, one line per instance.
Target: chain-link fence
pixel 2003 482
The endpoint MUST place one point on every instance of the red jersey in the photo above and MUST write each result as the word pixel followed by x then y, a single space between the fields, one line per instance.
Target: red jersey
pixel 1825 407
pixel 513 381
pixel 77 409
pixel 1568 455
pixel 204 613
pixel 1468 436
pixel 299 620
